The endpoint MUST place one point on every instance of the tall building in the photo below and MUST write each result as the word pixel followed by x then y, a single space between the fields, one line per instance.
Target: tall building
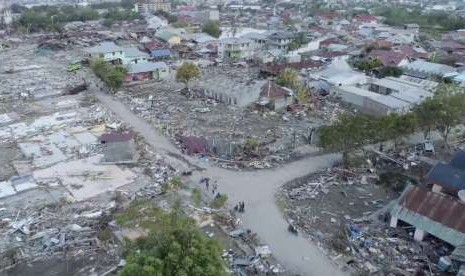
pixel 144 6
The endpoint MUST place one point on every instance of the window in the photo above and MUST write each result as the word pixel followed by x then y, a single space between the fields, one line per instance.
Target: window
pixel 113 53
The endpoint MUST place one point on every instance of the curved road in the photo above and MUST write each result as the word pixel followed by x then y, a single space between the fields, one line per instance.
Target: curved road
pixel 257 189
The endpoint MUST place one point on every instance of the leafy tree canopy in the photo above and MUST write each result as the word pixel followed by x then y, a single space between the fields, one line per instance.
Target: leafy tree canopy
pixel 212 28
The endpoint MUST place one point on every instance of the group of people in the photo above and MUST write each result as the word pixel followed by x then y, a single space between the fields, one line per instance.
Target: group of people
pixel 206 181
pixel 240 207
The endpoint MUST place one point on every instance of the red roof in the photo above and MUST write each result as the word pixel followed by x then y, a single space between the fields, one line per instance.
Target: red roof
pixel 383 43
pixel 325 43
pixel 271 90
pixel 365 18
pixel 443 209
pixel 156 44
pixel 387 57
pixel 410 52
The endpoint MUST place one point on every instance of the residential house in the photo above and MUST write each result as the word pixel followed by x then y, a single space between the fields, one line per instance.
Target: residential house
pixel 424 69
pixel 108 51
pixel 235 49
pixel 280 40
pixel 259 40
pixel 147 71
pixel 275 97
pixel 389 58
pixel 158 49
pixel 431 213
pixel 134 56
pixel 169 37
pixel 118 148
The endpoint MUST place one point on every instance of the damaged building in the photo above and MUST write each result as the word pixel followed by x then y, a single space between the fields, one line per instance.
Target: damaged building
pixel 118 148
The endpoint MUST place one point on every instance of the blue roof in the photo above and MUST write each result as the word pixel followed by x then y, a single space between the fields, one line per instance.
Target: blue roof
pixel 161 53
pixel 459 160
pixel 447 176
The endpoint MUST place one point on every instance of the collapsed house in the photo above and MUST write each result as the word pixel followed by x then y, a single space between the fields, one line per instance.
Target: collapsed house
pixel 275 97
pixel 118 148
pixel 436 208
pixel 431 213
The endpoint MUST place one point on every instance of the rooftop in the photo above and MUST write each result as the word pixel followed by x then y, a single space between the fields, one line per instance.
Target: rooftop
pixel 429 67
pixel 105 47
pixel 146 67
pixel 440 215
pixel 134 52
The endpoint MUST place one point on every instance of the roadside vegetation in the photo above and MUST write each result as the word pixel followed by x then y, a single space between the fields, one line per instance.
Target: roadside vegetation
pixel 174 244
pixel 112 76
pixel 441 113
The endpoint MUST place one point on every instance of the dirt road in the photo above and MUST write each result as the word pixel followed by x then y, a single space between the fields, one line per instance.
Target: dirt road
pixel 257 189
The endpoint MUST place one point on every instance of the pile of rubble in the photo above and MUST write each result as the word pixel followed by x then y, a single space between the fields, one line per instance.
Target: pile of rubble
pixel 32 234
pixel 373 247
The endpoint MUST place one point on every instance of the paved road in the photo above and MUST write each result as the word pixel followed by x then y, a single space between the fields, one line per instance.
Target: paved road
pixel 257 189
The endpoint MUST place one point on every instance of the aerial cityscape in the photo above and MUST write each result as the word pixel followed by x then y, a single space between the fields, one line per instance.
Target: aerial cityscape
pixel 241 137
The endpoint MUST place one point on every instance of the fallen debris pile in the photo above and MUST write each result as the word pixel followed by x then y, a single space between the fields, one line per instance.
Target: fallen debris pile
pixel 34 234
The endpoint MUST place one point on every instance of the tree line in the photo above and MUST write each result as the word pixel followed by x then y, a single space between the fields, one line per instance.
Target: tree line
pixel 52 18
pixel 398 16
pixel 441 112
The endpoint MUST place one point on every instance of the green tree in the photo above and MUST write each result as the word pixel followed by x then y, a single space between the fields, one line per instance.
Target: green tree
pixel 347 134
pixel 445 110
pixel 176 247
pixel 388 71
pixel 187 72
pixel 302 94
pixel 212 28
pixel 288 78
pixel 113 76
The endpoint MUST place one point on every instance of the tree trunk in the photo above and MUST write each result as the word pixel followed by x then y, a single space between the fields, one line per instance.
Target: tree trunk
pixel 345 159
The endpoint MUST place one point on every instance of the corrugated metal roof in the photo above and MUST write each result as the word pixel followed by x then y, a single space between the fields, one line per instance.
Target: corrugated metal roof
pixel 446 210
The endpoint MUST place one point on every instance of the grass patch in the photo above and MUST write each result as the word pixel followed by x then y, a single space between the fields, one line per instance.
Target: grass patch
pixel 197 197
pixel 142 212
pixel 281 202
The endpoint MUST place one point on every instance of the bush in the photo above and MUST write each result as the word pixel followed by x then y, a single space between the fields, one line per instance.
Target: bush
pixel 197 197
pixel 113 76
pixel 219 202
